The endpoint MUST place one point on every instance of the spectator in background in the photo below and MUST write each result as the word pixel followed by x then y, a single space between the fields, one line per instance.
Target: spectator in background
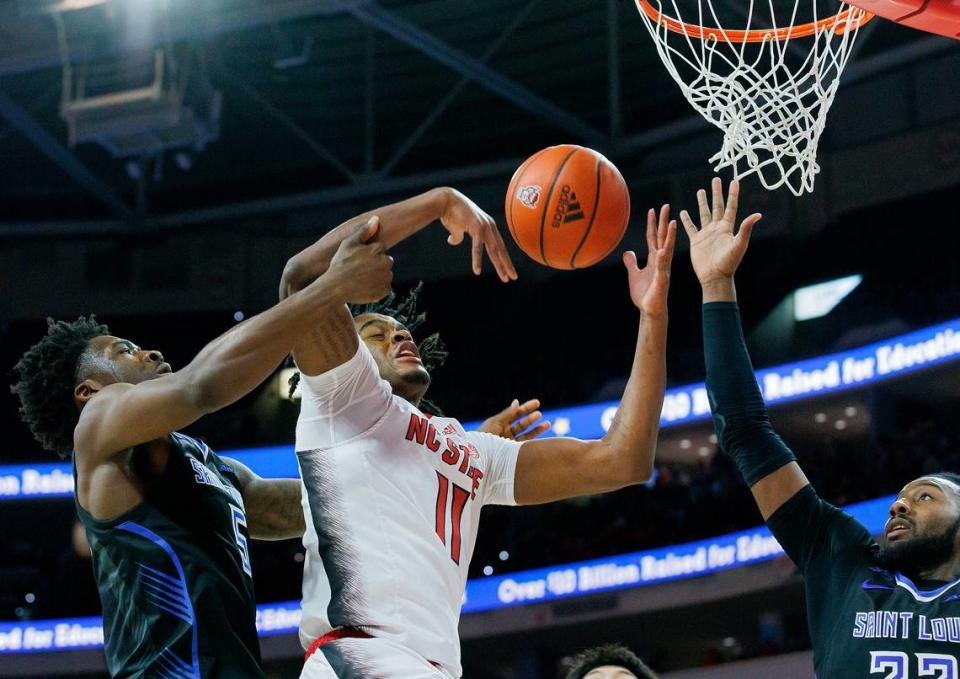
pixel 610 661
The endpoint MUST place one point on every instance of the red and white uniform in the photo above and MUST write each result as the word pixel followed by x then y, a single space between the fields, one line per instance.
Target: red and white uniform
pixel 392 503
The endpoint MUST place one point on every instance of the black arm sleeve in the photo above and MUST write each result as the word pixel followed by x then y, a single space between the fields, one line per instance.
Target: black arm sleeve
pixel 810 530
pixel 814 532
pixel 739 414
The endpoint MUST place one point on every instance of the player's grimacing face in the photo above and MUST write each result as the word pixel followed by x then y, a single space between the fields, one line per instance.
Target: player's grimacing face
pixel 394 350
pixel 924 509
pixel 112 359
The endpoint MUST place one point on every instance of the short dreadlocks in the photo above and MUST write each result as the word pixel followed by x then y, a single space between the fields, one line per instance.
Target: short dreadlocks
pixel 616 655
pixel 48 373
pixel 432 351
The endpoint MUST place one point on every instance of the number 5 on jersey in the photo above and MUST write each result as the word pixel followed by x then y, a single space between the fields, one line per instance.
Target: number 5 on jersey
pixel 240 521
pixel 458 499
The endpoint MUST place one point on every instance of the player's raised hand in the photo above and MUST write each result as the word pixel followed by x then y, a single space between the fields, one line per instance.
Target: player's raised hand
pixel 517 421
pixel 715 250
pixel 361 267
pixel 649 285
pixel 462 217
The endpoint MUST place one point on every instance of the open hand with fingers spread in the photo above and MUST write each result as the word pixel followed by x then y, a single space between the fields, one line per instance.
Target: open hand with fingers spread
pixel 517 421
pixel 649 285
pixel 461 217
pixel 715 250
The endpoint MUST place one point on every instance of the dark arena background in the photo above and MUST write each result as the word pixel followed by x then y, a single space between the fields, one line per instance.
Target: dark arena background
pixel 160 160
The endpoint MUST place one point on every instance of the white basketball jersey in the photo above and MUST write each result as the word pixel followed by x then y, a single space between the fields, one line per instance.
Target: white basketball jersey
pixel 392 502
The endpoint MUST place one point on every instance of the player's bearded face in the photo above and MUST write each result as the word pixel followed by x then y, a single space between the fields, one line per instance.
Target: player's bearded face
pixel 922 533
pixel 396 354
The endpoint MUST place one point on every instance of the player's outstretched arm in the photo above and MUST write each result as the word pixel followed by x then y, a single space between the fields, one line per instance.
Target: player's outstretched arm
pixel 119 416
pixel 740 416
pixel 458 214
pixel 553 469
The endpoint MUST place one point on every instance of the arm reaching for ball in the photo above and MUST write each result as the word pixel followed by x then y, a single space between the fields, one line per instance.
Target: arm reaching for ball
pixel 459 215
pixel 739 413
pixel 333 339
pixel 558 468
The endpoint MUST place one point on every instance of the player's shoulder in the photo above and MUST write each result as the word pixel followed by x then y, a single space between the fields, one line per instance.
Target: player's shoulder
pixel 360 368
pixel 94 416
pixel 101 400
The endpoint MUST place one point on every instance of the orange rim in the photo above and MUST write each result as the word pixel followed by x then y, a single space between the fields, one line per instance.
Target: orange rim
pixel 756 35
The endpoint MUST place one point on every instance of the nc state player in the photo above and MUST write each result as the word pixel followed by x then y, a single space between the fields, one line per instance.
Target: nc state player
pixel 393 497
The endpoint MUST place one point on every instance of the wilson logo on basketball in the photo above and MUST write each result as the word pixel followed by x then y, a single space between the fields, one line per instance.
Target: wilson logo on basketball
pixel 568 208
pixel 529 196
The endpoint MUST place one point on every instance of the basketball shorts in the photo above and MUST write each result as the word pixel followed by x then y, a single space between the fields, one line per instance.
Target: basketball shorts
pixel 370 658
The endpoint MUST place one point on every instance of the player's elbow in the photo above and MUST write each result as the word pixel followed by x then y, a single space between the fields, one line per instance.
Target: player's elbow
pixel 640 471
pixel 199 393
pixel 627 465
pixel 745 433
pixel 292 278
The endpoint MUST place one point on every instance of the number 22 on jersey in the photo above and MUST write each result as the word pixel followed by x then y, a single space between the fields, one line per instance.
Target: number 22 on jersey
pixel 896 665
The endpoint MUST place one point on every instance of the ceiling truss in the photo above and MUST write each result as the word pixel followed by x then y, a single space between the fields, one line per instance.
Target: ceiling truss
pixel 371 180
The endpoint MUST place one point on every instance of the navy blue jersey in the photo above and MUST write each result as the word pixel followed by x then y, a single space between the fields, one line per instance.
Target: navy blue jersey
pixel 174 574
pixel 864 620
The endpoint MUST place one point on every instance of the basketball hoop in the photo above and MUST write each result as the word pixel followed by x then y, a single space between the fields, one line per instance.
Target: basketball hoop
pixel 771 100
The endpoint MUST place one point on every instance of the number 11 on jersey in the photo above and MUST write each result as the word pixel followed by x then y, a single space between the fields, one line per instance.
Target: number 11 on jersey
pixel 457 502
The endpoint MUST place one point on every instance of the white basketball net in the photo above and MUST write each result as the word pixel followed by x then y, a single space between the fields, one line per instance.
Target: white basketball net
pixel 770 98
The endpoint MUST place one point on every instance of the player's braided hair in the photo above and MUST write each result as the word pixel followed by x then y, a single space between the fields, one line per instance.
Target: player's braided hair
pixel 432 350
pixel 48 373
pixel 616 655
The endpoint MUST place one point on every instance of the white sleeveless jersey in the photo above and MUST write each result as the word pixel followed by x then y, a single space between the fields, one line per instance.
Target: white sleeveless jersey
pixel 392 502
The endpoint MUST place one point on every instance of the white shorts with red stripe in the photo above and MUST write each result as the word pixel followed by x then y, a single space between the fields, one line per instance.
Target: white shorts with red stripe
pixel 369 658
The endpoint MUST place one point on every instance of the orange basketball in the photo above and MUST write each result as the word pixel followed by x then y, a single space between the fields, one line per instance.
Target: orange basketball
pixel 567 207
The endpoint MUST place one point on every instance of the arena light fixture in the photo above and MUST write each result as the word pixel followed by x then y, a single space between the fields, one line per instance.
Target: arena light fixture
pixel 33 7
pixel 562 426
pixel 815 301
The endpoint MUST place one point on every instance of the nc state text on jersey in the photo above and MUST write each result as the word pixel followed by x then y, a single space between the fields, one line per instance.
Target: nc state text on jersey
pixel 423 432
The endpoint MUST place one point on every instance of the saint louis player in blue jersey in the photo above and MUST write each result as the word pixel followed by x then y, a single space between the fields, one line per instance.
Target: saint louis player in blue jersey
pixel 887 610
pixel 168 519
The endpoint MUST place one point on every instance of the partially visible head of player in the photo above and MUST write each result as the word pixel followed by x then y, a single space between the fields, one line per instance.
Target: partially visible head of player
pixel 62 371
pixel 923 531
pixel 387 328
pixel 610 661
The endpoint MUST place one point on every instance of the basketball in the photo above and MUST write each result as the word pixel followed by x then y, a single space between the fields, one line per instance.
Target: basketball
pixel 567 207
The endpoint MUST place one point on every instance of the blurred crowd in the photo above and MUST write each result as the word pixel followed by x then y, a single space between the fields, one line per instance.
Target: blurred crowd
pixel 685 503
pixel 46 573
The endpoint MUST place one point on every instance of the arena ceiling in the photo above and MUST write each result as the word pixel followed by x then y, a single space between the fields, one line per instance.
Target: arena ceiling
pixel 325 101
